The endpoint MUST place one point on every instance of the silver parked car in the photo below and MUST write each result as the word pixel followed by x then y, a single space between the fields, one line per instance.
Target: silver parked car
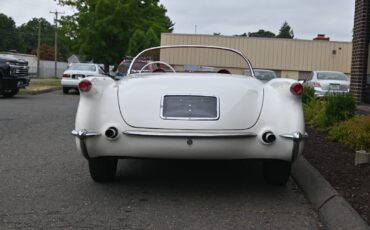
pixel 264 75
pixel 78 71
pixel 325 82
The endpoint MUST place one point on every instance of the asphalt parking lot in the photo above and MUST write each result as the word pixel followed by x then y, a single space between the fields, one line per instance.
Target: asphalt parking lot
pixel 45 183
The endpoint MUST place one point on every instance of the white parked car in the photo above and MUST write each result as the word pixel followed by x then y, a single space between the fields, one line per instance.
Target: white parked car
pixel 173 114
pixel 325 82
pixel 76 72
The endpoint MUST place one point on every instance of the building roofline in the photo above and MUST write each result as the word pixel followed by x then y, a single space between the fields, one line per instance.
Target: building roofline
pixel 259 38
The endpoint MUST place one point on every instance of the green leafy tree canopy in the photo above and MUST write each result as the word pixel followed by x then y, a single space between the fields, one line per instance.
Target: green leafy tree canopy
pixel 262 34
pixel 285 31
pixel 8 33
pixel 104 30
pixel 28 33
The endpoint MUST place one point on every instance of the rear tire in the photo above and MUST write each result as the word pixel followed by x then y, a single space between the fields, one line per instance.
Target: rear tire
pixel 103 169
pixel 10 93
pixel 276 172
pixel 65 90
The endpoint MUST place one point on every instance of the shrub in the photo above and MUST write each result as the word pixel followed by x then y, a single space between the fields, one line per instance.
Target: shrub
pixel 308 94
pixel 314 112
pixel 354 132
pixel 338 107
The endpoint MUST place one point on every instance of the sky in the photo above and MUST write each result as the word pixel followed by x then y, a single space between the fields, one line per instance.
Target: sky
pixel 334 18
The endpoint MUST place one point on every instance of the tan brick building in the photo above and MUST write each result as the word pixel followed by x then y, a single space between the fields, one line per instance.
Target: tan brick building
pixel 291 58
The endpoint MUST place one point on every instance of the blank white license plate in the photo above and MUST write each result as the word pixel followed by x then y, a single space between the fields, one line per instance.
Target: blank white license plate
pixel 190 107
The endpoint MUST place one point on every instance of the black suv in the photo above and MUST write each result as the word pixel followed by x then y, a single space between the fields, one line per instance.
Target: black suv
pixel 13 75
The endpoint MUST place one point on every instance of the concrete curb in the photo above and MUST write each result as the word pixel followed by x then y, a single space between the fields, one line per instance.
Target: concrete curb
pixel 39 91
pixel 334 211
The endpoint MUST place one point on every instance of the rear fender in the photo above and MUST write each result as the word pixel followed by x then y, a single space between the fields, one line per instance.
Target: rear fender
pixel 281 108
pixel 98 106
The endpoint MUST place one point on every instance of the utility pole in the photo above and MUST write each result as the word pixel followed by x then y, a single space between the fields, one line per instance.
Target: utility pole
pixel 56 41
pixel 38 50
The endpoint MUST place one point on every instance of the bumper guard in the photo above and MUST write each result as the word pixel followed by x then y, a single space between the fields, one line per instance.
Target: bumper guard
pixel 297 138
pixel 82 135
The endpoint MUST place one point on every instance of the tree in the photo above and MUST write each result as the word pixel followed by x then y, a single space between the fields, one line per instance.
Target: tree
pixel 104 29
pixel 241 35
pixel 151 39
pixel 136 43
pixel 47 53
pixel 140 41
pixel 8 34
pixel 285 31
pixel 262 34
pixel 28 34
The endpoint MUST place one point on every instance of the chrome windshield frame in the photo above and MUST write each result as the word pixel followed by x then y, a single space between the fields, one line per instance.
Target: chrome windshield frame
pixel 249 64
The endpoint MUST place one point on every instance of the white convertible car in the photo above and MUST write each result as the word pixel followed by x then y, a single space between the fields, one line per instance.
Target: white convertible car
pixel 190 102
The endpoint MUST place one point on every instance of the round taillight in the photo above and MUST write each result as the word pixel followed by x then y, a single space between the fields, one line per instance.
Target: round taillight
pixel 296 89
pixel 84 85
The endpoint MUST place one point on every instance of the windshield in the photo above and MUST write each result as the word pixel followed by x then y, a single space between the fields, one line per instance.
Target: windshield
pixel 85 67
pixel 264 75
pixel 331 76
pixel 191 59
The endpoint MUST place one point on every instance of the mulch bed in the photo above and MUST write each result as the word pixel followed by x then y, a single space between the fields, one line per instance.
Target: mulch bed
pixel 336 163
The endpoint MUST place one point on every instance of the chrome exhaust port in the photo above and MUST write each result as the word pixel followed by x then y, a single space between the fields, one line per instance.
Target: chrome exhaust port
pixel 268 137
pixel 111 133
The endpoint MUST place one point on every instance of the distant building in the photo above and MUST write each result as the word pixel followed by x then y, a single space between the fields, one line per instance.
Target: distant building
pixel 290 58
pixel 321 37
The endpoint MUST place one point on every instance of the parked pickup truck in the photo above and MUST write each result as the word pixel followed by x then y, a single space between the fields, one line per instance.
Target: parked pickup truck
pixel 13 76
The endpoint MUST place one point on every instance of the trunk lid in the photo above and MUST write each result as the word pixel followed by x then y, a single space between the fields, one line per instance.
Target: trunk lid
pixel 189 101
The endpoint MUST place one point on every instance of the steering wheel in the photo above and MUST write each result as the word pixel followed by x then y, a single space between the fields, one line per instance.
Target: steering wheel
pixel 158 62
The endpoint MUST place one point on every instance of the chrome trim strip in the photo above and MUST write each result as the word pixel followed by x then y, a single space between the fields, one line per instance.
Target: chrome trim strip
pixel 297 138
pixel 188 134
pixel 82 135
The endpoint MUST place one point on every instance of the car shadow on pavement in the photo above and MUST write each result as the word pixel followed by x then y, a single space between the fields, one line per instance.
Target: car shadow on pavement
pixel 228 174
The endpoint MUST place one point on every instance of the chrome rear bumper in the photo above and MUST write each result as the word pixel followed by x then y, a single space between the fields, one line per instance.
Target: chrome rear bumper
pixel 297 138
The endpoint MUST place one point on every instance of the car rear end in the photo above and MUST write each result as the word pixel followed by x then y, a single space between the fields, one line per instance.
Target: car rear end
pixel 72 76
pixel 150 119
pixel 241 119
pixel 326 82
pixel 71 79
pixel 185 115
